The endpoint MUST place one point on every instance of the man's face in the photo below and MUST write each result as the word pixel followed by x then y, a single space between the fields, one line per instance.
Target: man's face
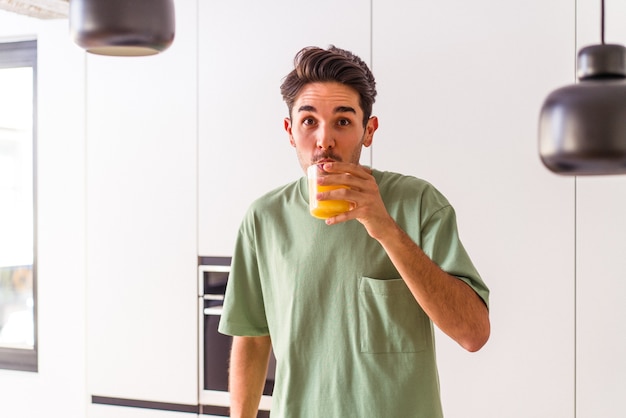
pixel 326 124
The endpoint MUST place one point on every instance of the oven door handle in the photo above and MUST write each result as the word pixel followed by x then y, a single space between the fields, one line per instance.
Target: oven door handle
pixel 213 296
pixel 214 310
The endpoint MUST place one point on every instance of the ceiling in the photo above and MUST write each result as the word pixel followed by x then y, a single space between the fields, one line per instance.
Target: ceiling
pixel 40 9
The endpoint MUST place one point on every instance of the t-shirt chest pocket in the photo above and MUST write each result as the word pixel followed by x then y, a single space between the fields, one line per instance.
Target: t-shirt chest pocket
pixel 390 320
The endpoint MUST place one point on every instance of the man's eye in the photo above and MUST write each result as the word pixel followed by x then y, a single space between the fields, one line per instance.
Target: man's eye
pixel 308 122
pixel 343 122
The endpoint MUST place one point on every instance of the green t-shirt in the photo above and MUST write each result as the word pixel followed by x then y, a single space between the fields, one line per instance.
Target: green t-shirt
pixel 349 338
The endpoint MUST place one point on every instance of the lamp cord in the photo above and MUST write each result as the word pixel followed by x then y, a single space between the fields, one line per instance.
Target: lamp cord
pixel 602 21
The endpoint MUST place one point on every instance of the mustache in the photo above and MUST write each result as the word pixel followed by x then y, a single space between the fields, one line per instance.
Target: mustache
pixel 327 155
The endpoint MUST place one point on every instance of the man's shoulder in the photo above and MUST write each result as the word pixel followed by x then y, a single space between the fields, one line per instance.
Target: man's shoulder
pixel 410 193
pixel 276 196
pixel 393 181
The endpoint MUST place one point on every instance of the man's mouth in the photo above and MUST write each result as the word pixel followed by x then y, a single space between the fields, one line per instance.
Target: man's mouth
pixel 326 159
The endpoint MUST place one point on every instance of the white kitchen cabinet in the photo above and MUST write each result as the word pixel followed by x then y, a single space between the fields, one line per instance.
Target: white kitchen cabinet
pixel 141 222
pixel 245 49
pixel 601 332
pixel 460 89
pixel 601 265
pixel 110 411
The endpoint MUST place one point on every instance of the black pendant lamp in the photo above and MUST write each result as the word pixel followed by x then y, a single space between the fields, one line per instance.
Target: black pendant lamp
pixel 582 127
pixel 122 27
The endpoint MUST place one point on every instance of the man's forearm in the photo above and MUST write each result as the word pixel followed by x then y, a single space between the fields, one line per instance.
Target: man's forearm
pixel 248 368
pixel 452 305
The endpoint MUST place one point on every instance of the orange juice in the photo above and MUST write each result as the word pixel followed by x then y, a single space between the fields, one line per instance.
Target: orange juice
pixel 324 209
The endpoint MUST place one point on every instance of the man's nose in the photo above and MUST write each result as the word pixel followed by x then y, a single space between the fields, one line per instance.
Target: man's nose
pixel 325 137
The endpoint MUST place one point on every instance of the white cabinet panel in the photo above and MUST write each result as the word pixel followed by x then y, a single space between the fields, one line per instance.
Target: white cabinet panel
pixel 601 264
pixel 141 221
pixel 460 89
pixel 601 288
pixel 245 50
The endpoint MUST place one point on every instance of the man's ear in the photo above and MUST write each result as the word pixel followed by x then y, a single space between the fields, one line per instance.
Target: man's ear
pixel 370 128
pixel 287 123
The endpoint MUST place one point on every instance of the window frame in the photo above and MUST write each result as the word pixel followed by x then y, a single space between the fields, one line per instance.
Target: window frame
pixel 12 55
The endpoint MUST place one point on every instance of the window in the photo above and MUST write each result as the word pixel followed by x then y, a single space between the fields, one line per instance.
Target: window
pixel 18 267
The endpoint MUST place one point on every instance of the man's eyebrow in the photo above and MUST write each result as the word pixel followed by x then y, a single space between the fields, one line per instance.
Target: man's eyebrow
pixel 338 109
pixel 345 109
pixel 307 108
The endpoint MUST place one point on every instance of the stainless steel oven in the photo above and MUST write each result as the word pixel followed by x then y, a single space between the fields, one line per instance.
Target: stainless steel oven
pixel 215 347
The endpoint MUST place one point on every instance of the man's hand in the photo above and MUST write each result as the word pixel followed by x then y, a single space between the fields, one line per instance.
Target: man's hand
pixel 367 204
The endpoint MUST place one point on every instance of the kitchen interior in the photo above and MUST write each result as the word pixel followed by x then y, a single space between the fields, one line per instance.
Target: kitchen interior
pixel 144 166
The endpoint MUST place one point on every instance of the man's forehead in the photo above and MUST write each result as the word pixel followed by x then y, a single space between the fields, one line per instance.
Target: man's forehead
pixel 339 97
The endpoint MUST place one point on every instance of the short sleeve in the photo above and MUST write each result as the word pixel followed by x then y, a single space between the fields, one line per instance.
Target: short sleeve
pixel 244 311
pixel 441 242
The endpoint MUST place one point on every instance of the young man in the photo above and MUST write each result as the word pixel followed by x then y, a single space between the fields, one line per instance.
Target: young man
pixel 347 303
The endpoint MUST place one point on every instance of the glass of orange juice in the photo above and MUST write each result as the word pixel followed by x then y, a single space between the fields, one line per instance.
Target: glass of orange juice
pixel 323 209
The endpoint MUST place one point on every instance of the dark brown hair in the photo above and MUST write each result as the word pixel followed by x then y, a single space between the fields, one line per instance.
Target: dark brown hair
pixel 313 64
